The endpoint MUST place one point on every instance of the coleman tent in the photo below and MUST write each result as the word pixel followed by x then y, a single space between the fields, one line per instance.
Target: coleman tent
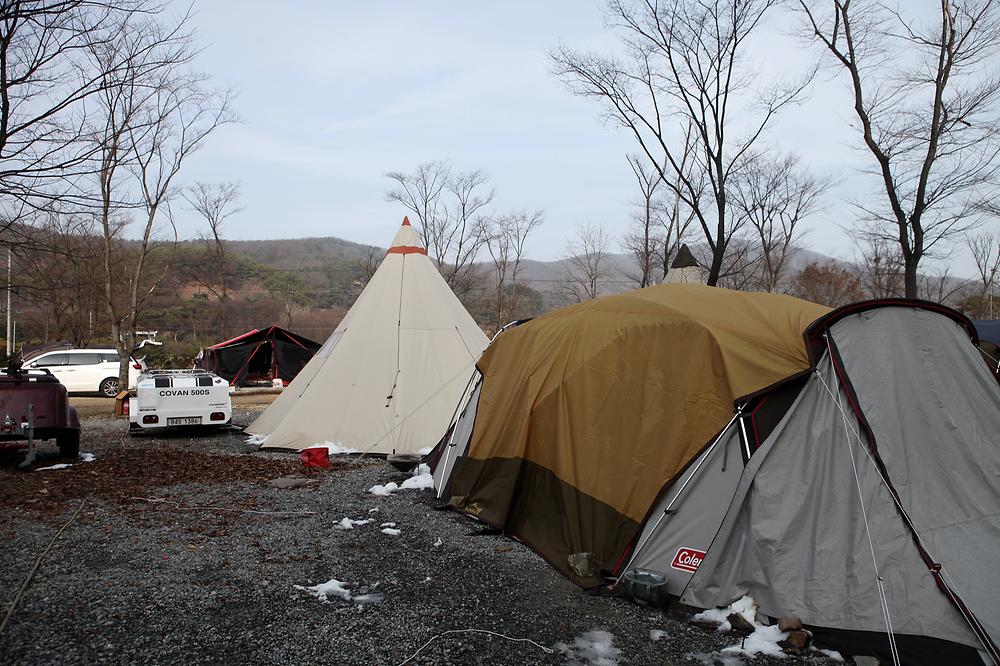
pixel 259 355
pixel 751 444
pixel 389 377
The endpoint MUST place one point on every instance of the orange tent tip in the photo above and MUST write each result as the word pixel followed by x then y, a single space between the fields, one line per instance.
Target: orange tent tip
pixel 406 221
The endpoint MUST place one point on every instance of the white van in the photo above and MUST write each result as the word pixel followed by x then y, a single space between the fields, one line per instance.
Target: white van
pixel 87 370
pixel 171 398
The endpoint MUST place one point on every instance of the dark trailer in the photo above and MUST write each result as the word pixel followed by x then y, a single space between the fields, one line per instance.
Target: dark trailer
pixel 262 355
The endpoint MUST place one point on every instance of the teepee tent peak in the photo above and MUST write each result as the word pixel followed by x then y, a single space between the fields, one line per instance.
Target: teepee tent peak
pixel 406 241
pixel 684 258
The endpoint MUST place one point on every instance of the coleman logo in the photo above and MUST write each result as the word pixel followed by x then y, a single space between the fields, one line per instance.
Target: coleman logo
pixel 687 559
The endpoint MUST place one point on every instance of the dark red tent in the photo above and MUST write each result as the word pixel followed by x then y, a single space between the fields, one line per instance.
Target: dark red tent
pixel 259 355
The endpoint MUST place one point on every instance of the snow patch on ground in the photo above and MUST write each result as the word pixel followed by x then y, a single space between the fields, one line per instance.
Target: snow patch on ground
pixel 419 482
pixel 591 648
pixel 59 466
pixel 745 606
pixel 331 588
pixel 371 511
pixel 256 440
pixel 833 654
pixel 657 634
pixel 339 589
pixel 333 448
pixel 438 542
pixel 387 525
pixel 390 531
pixel 384 491
pixel 763 640
pixel 87 457
pixel 348 524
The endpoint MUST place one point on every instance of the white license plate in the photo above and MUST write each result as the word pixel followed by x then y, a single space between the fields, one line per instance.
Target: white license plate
pixel 184 420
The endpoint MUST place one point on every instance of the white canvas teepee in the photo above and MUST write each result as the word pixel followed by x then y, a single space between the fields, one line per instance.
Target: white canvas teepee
pixel 388 379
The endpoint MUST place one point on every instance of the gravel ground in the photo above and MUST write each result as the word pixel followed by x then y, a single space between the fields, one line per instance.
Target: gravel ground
pixel 138 582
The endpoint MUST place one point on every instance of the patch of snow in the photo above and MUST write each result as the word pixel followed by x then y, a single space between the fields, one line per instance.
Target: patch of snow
pixel 333 448
pixel 390 531
pixel 763 640
pixel 375 510
pixel 387 525
pixel 427 580
pixel 256 440
pixel 87 457
pixel 331 588
pixel 374 598
pixel 384 491
pixel 745 606
pixel 348 524
pixel 657 634
pixel 833 654
pixel 59 466
pixel 716 616
pixel 419 482
pixel 592 648
pixel 438 542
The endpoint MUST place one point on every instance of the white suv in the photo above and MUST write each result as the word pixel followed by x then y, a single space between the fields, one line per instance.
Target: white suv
pixel 87 370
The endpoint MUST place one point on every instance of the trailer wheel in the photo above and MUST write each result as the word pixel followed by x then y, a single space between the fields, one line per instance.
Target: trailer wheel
pixel 109 387
pixel 68 442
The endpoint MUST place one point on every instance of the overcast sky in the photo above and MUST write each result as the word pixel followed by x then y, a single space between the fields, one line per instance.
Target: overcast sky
pixel 335 94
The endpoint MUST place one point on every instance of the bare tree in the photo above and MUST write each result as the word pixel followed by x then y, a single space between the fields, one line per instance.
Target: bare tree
pixel 686 60
pixel 370 263
pixel 985 250
pixel 47 76
pixel 586 268
pixel 450 209
pixel 152 115
pixel 881 266
pixel 774 195
pixel 826 283
pixel 925 99
pixel 643 241
pixel 506 237
pixel 215 203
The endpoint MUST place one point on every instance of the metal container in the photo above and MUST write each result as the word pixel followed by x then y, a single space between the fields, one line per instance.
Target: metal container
pixel 404 462
pixel 646 588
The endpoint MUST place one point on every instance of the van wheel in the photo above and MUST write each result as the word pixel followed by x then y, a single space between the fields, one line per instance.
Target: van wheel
pixel 68 442
pixel 109 387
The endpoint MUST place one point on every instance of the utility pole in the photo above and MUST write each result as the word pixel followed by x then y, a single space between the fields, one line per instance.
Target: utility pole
pixel 9 313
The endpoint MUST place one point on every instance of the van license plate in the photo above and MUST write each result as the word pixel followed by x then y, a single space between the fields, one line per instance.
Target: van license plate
pixel 184 420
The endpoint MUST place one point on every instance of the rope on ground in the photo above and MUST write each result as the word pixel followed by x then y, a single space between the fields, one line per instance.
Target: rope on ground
pixel 38 563
pixel 413 656
pixel 179 507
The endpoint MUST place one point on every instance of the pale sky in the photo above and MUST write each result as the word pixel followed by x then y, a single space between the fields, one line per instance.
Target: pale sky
pixel 335 94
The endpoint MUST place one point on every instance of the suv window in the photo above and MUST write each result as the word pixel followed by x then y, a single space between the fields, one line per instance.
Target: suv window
pixel 50 360
pixel 84 359
pixel 110 357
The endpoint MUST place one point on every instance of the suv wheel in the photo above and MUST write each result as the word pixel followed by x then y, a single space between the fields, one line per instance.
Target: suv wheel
pixel 68 442
pixel 109 387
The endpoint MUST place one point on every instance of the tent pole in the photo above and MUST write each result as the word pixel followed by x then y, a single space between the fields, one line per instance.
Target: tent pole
pixel 673 500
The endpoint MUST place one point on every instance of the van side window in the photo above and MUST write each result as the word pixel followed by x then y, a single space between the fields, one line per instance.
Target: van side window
pixel 83 359
pixel 110 358
pixel 161 382
pixel 204 381
pixel 52 360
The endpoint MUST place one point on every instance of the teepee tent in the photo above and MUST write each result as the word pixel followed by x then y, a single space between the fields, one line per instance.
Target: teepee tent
pixel 389 377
